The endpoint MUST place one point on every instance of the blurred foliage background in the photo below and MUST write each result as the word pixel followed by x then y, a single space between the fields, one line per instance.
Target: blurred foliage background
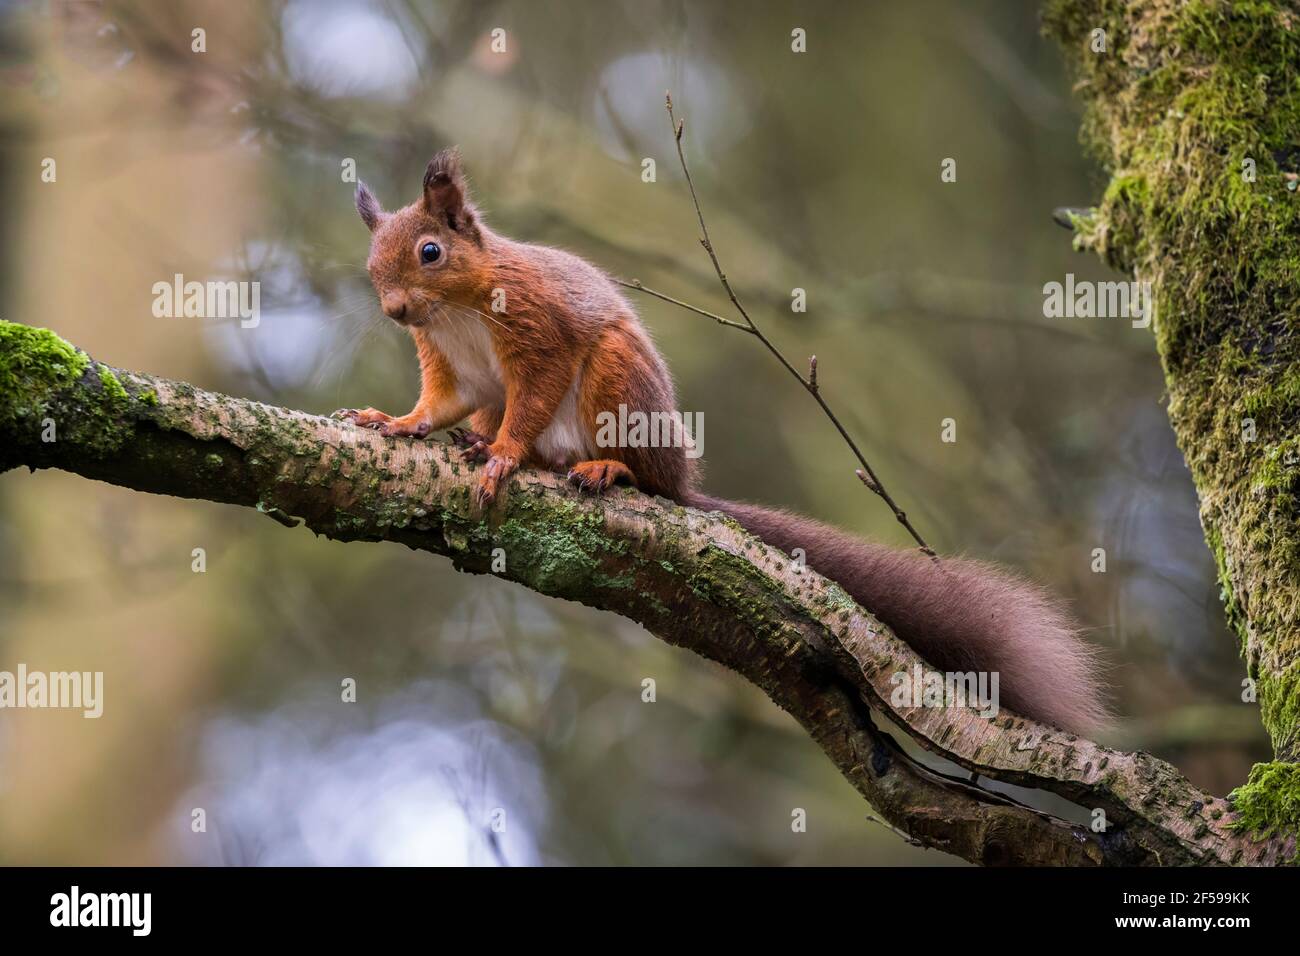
pixel 817 170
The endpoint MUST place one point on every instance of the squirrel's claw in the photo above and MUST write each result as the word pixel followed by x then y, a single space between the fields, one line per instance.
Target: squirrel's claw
pixel 499 469
pixel 364 417
pixel 595 477
pixel 578 479
pixel 464 438
pixel 475 448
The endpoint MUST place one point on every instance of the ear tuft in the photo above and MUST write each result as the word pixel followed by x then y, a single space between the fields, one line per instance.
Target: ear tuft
pixel 444 169
pixel 368 206
pixel 446 195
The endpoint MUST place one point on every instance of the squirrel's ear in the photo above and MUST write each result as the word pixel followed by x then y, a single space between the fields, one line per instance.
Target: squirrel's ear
pixel 368 206
pixel 445 193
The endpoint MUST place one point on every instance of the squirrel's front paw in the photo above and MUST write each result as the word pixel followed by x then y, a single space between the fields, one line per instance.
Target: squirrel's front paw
pixel 365 417
pixel 499 469
pixel 415 427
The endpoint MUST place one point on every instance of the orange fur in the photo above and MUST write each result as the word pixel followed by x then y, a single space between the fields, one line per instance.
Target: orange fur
pixel 534 344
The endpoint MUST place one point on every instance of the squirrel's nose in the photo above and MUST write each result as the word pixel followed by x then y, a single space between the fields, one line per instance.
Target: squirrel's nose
pixel 394 305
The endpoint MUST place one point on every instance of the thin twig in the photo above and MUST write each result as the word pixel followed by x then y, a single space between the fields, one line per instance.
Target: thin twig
pixel 636 284
pixel 866 473
pixel 907 837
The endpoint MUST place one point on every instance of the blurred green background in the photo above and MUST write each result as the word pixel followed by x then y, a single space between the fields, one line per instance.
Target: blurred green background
pixel 817 171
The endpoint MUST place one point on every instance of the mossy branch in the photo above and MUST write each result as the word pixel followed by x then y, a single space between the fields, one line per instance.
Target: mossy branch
pixel 696 580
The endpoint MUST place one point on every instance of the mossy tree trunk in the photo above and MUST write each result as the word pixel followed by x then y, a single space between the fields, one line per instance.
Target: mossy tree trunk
pixel 1194 107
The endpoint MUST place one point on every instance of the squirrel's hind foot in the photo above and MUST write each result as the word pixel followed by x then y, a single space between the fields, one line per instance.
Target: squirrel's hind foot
pixel 595 477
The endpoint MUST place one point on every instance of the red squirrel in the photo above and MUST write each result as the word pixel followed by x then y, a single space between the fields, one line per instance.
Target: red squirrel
pixel 532 344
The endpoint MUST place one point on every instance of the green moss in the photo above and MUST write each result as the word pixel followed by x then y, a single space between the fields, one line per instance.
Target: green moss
pixel 1232 610
pixel 33 363
pixel 112 387
pixel 623 581
pixel 1269 802
pixel 1279 703
pixel 1189 96
pixel 43 377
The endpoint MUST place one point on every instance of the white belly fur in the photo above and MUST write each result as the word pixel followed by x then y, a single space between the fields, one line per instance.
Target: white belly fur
pixel 480 383
pixel 565 440
pixel 466 343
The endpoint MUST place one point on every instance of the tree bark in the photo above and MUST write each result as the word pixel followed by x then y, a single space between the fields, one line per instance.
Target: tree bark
pixel 696 580
pixel 1194 107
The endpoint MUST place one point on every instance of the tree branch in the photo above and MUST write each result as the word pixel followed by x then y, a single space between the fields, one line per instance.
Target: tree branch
pixel 693 579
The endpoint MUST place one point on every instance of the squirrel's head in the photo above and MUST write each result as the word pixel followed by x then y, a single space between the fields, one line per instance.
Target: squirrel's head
pixel 430 251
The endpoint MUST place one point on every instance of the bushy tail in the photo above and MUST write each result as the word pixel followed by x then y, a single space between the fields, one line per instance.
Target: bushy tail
pixel 959 615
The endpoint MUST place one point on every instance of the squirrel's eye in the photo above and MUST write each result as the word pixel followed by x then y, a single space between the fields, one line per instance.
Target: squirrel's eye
pixel 430 252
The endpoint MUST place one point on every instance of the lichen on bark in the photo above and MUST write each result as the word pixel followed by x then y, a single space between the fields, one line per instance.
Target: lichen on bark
pixel 1194 107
